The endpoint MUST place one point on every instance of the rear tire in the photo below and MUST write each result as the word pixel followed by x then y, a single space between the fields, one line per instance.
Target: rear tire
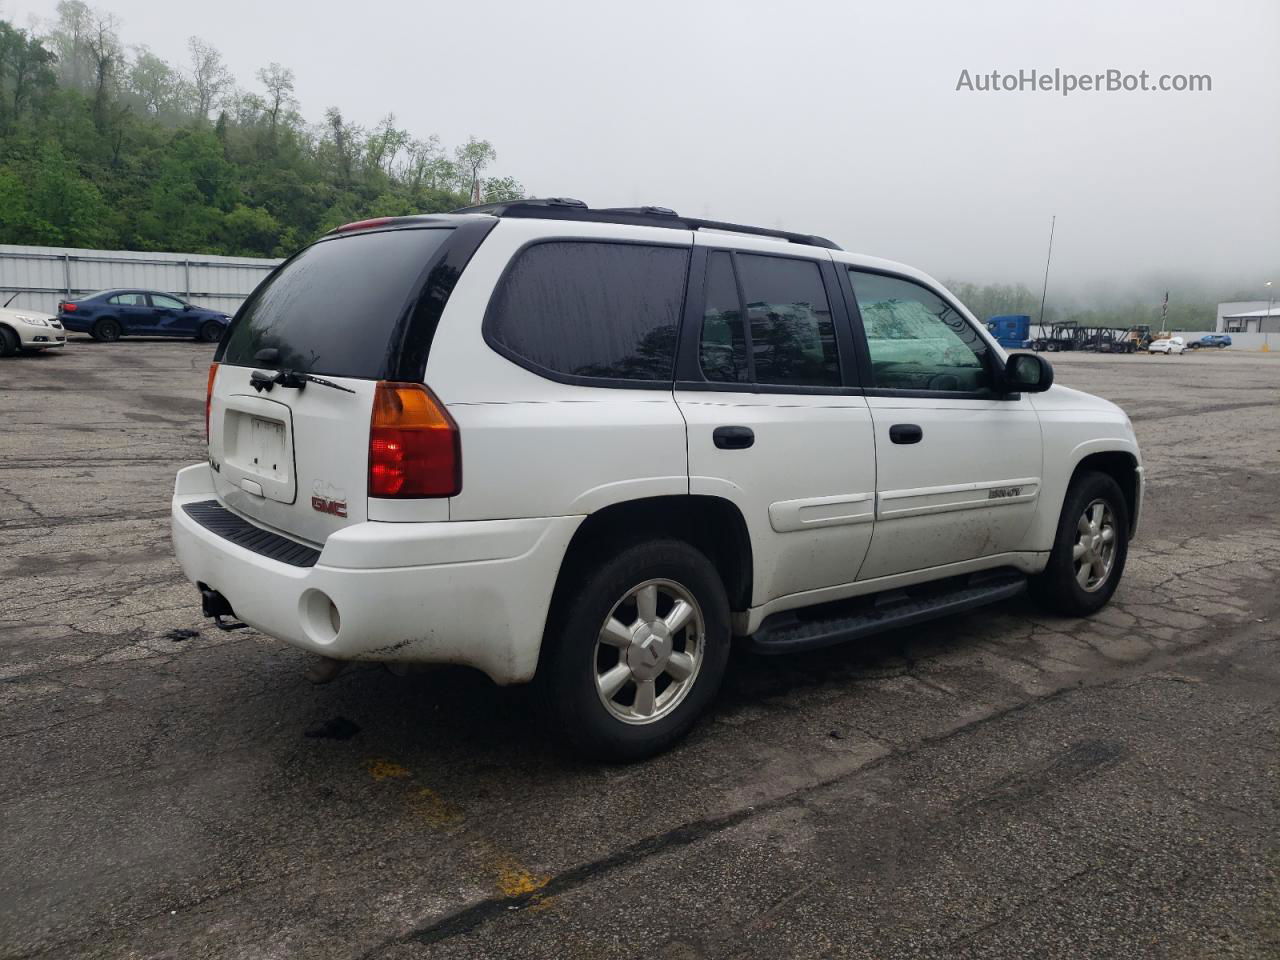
pixel 211 332
pixel 9 342
pixel 1089 551
pixel 106 330
pixel 618 683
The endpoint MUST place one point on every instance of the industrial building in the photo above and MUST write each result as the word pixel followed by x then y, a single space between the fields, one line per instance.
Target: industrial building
pixel 1249 316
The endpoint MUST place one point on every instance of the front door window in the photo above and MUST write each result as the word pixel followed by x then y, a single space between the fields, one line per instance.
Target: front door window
pixel 918 341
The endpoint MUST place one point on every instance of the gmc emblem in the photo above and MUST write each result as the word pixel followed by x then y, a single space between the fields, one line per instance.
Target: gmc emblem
pixel 324 505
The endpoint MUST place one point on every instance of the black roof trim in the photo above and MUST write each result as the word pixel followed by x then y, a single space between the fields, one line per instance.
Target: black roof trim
pixel 566 208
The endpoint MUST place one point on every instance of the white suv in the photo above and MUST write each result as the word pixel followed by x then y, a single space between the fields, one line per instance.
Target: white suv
pixel 592 446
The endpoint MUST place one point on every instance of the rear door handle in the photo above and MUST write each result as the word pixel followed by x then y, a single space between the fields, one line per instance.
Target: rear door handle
pixel 905 433
pixel 733 438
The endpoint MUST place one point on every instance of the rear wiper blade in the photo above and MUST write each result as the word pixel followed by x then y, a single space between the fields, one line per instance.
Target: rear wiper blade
pixel 311 378
pixel 288 378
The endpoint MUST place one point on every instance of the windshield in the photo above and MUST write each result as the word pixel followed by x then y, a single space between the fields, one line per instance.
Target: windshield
pixel 335 308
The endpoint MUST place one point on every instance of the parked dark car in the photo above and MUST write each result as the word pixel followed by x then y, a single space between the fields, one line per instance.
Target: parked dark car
pixel 1218 340
pixel 112 314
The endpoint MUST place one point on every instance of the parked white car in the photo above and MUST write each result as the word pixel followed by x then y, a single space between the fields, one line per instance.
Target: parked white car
pixel 1169 345
pixel 589 447
pixel 29 331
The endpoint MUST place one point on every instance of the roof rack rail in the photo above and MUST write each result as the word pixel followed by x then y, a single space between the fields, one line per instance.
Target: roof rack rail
pixel 566 208
pixel 500 207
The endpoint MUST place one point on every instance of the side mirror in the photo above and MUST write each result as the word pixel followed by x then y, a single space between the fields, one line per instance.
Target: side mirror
pixel 187 306
pixel 1027 373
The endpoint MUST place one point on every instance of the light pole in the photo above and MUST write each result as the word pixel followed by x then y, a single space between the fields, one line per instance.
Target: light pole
pixel 1266 334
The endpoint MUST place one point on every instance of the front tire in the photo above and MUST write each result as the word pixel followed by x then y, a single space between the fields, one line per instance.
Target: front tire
pixel 211 332
pixel 1089 551
pixel 9 342
pixel 106 330
pixel 634 655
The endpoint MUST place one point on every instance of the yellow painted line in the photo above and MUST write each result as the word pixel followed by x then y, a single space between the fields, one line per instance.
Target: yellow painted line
pixel 510 877
pixel 386 770
pixel 515 881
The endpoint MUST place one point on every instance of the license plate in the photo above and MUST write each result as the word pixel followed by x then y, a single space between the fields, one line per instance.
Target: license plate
pixel 265 451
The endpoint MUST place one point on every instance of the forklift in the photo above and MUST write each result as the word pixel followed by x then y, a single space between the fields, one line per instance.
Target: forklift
pixel 1139 337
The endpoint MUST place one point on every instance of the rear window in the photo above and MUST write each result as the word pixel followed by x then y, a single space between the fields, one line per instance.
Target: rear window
pixel 336 307
pixel 592 309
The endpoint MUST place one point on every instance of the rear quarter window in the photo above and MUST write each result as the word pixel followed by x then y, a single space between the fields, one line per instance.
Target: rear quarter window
pixel 591 309
pixel 337 307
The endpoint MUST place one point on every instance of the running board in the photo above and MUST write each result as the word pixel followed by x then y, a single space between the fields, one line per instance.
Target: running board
pixel 852 620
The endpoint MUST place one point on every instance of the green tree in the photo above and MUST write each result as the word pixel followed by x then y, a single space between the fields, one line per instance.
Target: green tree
pixel 471 158
pixel 26 73
pixel 210 79
pixel 153 81
pixel 103 144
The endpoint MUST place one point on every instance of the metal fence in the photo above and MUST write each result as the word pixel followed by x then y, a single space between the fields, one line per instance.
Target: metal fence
pixel 41 276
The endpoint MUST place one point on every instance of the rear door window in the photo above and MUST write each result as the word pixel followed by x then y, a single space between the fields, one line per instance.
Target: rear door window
pixel 128 300
pixel 336 307
pixel 589 309
pixel 723 345
pixel 789 336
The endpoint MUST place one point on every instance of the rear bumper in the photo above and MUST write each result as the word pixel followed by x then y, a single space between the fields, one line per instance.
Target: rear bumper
pixel 473 593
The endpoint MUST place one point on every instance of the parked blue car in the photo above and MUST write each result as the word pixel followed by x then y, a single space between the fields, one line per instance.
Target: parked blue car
pixel 112 314
pixel 1218 340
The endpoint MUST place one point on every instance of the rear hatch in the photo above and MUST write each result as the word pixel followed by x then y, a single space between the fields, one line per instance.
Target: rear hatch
pixel 349 310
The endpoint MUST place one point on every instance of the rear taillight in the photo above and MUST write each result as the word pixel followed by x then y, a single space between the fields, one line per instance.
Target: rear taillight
pixel 414 446
pixel 67 307
pixel 208 398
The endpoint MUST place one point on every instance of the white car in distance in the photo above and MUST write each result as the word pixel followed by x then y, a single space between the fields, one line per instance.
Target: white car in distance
pixel 1169 345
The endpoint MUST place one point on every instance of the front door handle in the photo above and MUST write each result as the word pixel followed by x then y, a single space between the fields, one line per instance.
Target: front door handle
pixel 733 438
pixel 906 433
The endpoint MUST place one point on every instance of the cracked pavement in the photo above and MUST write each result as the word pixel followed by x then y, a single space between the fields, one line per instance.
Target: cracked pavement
pixel 1002 783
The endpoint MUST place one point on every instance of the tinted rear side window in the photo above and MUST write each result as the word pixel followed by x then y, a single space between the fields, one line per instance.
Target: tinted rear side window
pixel 336 307
pixel 793 340
pixel 788 339
pixel 723 345
pixel 590 309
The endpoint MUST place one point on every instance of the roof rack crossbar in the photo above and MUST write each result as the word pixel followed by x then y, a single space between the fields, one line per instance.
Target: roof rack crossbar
pixel 564 208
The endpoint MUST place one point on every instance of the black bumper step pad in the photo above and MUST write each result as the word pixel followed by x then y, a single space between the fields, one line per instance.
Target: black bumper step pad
pixel 217 519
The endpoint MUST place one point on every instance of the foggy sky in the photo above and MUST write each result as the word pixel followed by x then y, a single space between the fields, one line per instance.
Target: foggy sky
pixel 825 117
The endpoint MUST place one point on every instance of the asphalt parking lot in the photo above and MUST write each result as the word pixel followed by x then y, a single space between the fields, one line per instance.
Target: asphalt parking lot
pixel 1002 783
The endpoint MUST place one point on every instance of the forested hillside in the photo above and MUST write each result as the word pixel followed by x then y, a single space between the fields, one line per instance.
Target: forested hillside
pixel 1193 307
pixel 108 145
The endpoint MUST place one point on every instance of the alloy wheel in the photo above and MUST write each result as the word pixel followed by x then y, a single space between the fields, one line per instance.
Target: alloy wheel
pixel 1094 553
pixel 649 651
